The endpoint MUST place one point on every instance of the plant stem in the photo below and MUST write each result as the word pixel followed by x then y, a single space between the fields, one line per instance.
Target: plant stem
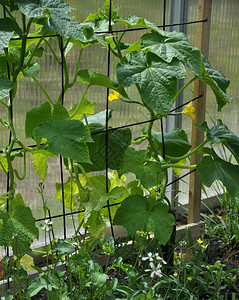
pixel 52 51
pixel 183 88
pixel 24 172
pixel 43 90
pixel 77 68
pixel 178 158
pixel 79 103
pixel 166 166
pixel 3 103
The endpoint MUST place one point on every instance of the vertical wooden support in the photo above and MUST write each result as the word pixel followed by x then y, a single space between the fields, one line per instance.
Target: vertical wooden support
pixel 202 43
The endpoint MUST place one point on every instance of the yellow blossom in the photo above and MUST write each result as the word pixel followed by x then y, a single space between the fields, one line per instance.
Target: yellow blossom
pixel 189 111
pixel 199 241
pixel 189 278
pixel 114 96
pixel 175 274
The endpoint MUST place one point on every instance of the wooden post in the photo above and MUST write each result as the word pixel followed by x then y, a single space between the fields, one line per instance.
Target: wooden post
pixel 202 43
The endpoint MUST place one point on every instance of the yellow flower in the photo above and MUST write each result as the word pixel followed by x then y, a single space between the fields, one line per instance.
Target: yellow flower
pixel 189 111
pixel 114 96
pixel 199 241
pixel 175 274
pixel 189 278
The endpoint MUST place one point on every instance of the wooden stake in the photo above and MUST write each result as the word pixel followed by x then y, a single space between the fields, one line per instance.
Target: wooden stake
pixel 202 43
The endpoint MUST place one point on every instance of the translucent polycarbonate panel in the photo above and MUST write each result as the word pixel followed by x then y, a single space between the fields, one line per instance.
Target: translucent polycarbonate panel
pixel 223 56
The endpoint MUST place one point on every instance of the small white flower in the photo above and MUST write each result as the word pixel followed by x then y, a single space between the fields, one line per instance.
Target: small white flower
pixel 155 270
pixel 150 257
pixel 47 226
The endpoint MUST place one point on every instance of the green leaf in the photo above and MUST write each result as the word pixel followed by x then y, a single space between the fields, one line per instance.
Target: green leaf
pixel 85 108
pixel 3 66
pixel 37 8
pixel 36 116
pixel 32 70
pixel 220 133
pixel 5 86
pixel 59 19
pixel 70 189
pixel 59 112
pixel 67 138
pixel 218 83
pixel 118 142
pixel 97 196
pixel 214 168
pixel 137 162
pixel 136 213
pixel 40 162
pixel 139 22
pixel 17 200
pixel 100 79
pixel 158 79
pixel 6 32
pixel 42 114
pixel 170 45
pixel 63 247
pixel 3 164
pixel 20 225
pixel 35 287
pixel 175 142
pixel 98 279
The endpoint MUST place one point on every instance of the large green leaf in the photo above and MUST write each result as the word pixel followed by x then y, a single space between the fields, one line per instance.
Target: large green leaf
pixel 20 225
pixel 139 22
pixel 158 79
pixel 37 8
pixel 43 113
pixel 136 213
pixel 6 32
pixel 173 44
pixel 220 133
pixel 59 21
pixel 5 86
pixel 137 162
pixel 214 168
pixel 118 142
pixel 36 116
pixel 175 142
pixel 67 138
pixel 217 81
pixel 17 200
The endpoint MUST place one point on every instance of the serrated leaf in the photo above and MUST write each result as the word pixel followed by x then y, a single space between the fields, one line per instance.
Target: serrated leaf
pixel 118 141
pixel 170 45
pixel 137 162
pixel 6 32
pixel 70 189
pixel 214 168
pixel 67 138
pixel 59 19
pixel 217 81
pixel 32 70
pixel 158 79
pixel 36 8
pixel 139 22
pixel 136 213
pixel 21 224
pixel 40 162
pixel 175 142
pixel 5 86
pixel 220 133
